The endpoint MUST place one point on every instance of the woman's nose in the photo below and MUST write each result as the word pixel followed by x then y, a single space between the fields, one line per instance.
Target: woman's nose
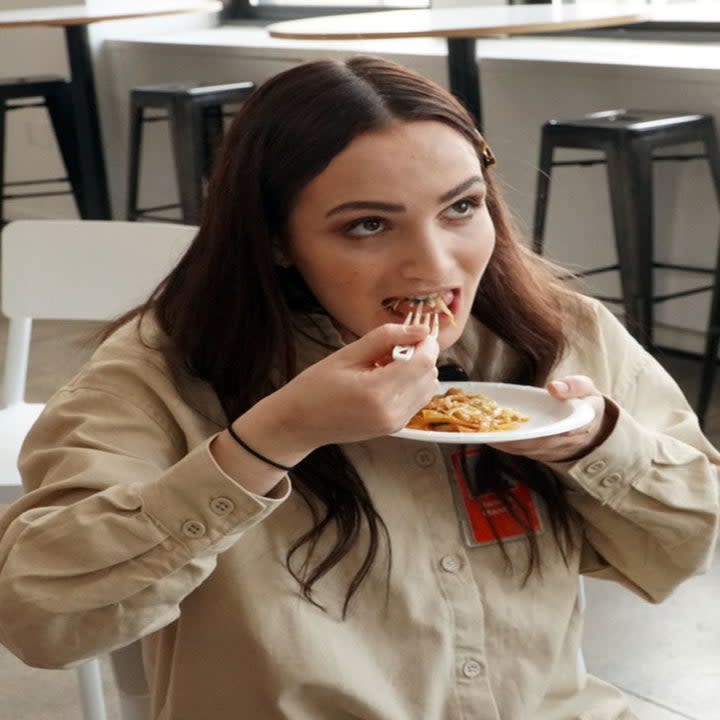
pixel 426 256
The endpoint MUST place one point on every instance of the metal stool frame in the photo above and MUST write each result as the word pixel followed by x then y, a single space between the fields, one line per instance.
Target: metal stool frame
pixel 195 115
pixel 54 94
pixel 628 140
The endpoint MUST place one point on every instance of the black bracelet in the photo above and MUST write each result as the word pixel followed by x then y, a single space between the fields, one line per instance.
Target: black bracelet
pixel 243 444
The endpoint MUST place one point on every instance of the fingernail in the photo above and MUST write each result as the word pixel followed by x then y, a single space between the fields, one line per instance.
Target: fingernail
pixel 560 386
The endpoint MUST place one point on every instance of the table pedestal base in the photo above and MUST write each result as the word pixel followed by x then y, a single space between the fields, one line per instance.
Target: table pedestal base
pixel 463 75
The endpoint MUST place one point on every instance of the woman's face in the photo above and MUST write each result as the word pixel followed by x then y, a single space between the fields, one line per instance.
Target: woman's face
pixel 399 213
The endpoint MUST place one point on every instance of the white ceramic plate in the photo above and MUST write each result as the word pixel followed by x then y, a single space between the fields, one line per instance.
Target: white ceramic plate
pixel 548 416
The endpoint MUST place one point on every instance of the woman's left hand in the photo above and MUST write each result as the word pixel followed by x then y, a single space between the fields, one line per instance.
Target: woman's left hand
pixel 574 444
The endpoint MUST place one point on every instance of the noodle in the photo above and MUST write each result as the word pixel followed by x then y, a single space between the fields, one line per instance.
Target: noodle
pixel 458 411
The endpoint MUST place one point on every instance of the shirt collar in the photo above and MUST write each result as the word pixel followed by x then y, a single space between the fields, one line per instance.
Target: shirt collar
pixel 478 351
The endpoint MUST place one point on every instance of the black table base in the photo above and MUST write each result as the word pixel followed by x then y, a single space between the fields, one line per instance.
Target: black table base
pixel 463 75
pixel 92 175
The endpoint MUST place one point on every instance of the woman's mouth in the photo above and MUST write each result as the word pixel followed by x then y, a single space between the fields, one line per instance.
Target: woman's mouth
pixel 444 303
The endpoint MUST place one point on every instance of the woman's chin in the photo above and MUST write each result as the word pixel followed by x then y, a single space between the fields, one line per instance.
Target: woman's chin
pixel 450 333
pixel 449 337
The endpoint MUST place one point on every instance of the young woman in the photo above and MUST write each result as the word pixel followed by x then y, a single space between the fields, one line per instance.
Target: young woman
pixel 219 480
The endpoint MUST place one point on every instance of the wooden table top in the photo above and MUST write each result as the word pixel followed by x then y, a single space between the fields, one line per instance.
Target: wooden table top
pixel 64 15
pixel 457 22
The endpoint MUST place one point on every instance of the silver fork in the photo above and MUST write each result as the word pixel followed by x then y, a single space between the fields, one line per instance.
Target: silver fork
pixel 415 317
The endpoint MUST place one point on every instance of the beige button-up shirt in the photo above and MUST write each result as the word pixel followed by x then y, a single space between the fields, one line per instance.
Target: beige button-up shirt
pixel 130 529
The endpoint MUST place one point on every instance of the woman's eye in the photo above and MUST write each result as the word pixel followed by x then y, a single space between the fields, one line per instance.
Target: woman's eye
pixel 462 208
pixel 365 227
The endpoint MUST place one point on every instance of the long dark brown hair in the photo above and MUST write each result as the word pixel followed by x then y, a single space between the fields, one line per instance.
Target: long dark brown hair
pixel 228 287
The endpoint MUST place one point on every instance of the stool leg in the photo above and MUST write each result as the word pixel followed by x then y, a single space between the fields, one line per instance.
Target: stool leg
pixel 134 150
pixel 213 132
pixel 712 150
pixel 60 108
pixel 2 163
pixel 542 193
pixel 713 331
pixel 629 169
pixel 711 348
pixel 186 128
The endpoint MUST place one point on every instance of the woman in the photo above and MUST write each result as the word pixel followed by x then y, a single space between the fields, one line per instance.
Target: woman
pixel 218 479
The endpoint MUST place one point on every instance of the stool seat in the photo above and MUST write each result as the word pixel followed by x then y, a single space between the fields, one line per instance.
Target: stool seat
pixel 630 121
pixel 36 86
pixel 161 95
pixel 195 115
pixel 628 140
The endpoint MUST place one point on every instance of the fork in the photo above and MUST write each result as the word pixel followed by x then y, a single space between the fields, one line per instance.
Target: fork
pixel 415 317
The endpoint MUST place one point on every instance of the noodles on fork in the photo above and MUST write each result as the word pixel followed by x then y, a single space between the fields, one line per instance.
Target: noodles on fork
pixel 433 304
pixel 458 411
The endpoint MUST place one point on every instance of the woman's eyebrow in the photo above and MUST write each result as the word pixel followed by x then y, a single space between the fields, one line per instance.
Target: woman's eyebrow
pixel 366 205
pixel 398 207
pixel 461 188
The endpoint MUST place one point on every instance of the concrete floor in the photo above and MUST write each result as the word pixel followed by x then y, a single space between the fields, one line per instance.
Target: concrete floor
pixel 666 657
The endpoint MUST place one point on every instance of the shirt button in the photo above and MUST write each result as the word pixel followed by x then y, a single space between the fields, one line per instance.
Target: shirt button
pixel 595 467
pixel 471 669
pixel 424 458
pixel 193 529
pixel 222 506
pixel 611 480
pixel 450 563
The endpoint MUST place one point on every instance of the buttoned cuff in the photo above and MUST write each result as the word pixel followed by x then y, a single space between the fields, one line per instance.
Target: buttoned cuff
pixel 608 471
pixel 201 507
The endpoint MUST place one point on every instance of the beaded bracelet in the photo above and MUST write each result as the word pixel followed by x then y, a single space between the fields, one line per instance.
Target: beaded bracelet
pixel 259 456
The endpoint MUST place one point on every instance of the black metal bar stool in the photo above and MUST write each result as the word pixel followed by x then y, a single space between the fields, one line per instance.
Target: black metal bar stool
pixel 195 114
pixel 628 140
pixel 54 94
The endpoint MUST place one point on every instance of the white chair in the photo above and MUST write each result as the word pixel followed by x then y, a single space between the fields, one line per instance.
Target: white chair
pixel 76 270
pixel 582 604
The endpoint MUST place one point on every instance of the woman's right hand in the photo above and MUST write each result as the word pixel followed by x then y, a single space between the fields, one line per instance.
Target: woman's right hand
pixel 354 393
